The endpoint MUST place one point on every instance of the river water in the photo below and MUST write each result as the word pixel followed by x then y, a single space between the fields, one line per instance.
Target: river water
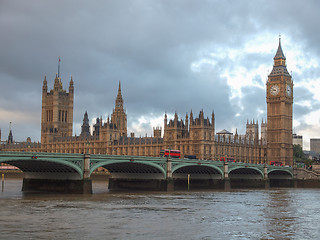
pixel 238 214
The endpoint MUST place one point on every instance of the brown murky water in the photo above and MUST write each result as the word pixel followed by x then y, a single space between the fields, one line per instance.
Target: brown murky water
pixel 243 214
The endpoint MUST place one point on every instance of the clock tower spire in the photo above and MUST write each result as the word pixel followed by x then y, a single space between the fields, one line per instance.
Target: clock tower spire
pixel 279 111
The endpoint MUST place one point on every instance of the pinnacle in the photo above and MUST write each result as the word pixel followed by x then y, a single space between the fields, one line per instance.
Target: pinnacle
pixel 279 53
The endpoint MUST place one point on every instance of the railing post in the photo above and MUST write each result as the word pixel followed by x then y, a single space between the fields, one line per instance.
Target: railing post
pixel 86 166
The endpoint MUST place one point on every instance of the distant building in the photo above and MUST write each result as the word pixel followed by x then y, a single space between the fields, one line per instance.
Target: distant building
pixel 315 145
pixel 297 140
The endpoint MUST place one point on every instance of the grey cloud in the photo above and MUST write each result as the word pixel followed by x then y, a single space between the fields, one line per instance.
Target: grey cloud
pixel 149 46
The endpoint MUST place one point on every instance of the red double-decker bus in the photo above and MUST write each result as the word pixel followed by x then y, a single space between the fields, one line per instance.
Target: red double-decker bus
pixel 173 153
pixel 275 163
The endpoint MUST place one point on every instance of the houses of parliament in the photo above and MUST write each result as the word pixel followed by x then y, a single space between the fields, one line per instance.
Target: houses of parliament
pixel 195 135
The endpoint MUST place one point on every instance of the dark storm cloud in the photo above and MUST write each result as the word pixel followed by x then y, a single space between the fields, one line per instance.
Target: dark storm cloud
pixel 149 46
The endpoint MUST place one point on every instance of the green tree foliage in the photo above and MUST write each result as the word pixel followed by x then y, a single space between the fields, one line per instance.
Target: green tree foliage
pixel 299 156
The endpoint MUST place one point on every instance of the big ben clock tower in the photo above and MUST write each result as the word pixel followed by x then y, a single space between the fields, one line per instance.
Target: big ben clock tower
pixel 279 111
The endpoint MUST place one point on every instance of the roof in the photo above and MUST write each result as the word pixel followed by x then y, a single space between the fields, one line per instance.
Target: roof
pixel 224 131
pixel 279 53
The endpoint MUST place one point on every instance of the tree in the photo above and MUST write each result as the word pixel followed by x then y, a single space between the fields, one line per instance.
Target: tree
pixel 298 155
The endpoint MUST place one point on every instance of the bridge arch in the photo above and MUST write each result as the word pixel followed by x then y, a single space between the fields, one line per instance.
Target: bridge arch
pixel 203 171
pixel 245 173
pixel 134 169
pixel 280 174
pixel 46 167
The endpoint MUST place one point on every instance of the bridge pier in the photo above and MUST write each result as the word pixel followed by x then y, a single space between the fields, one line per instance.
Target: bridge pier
pixel 227 184
pixel 169 180
pixel 86 166
pixel 57 185
pixel 138 184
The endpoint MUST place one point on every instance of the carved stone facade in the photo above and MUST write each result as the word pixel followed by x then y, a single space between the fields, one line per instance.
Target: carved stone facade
pixel 192 136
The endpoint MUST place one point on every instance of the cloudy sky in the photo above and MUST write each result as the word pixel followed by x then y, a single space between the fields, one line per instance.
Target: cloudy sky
pixel 170 56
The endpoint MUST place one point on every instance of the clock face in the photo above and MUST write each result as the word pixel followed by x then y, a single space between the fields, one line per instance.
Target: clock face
pixel 288 90
pixel 274 90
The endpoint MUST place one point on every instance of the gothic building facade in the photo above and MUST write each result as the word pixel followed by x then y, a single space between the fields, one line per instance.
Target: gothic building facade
pixel 195 135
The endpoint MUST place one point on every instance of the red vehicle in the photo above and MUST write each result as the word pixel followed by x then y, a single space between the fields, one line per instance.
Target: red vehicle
pixel 275 163
pixel 223 159
pixel 173 153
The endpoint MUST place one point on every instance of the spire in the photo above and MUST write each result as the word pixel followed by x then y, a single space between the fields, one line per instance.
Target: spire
pixel 45 86
pixel 279 65
pixel 57 83
pixel 119 100
pixel 165 119
pixel 10 137
pixel 119 89
pixel 85 128
pixel 279 53
pixel 175 119
pixel 71 87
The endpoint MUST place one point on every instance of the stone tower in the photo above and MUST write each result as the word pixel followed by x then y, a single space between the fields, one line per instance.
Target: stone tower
pixel 279 111
pixel 264 132
pixel 252 130
pixel 57 111
pixel 119 117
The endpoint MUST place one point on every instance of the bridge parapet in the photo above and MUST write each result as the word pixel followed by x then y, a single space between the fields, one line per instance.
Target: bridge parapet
pixel 64 165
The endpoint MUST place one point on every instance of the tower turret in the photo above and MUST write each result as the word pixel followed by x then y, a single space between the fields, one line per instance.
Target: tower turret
pixel 85 128
pixel 165 119
pixel 10 136
pixel 45 86
pixel 71 87
pixel 191 118
pixel 119 117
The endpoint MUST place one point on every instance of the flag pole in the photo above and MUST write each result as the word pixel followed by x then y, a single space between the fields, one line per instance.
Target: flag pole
pixel 59 68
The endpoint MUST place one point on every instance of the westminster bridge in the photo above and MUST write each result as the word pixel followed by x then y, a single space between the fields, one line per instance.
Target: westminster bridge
pixel 63 172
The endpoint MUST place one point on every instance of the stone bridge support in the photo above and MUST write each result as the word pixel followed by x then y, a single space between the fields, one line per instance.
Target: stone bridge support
pixel 86 166
pixel 227 184
pixel 169 179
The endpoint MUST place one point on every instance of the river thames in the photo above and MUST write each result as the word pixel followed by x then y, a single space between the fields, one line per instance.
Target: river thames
pixel 282 213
